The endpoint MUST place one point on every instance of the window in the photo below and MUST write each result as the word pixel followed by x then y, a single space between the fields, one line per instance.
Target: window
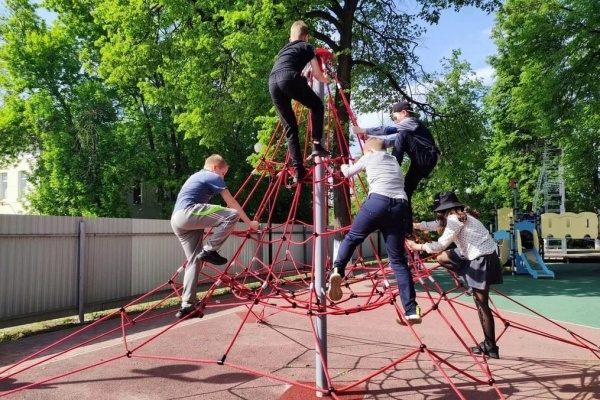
pixel 23 183
pixel 3 185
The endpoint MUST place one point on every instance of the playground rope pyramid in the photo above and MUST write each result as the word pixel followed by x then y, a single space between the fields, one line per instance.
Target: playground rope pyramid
pixel 285 288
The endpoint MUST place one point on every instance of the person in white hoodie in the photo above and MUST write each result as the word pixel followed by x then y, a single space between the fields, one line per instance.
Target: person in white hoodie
pixel 474 259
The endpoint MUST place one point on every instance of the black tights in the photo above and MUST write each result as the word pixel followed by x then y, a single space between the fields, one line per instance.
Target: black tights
pixel 481 297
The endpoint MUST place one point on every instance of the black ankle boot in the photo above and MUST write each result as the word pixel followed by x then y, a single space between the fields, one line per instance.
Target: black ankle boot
pixel 486 348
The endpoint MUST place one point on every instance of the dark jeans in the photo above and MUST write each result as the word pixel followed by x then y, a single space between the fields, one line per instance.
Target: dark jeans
pixel 283 90
pixel 389 216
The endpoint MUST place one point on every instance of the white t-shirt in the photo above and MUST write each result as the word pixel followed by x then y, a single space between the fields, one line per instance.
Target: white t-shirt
pixel 383 174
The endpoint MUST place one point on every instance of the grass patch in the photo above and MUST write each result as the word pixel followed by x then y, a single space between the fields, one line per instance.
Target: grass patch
pixel 37 328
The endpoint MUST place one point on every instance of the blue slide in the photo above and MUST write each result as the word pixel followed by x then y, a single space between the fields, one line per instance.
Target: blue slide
pixel 529 261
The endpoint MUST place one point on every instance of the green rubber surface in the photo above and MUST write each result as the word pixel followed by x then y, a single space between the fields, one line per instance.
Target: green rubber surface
pixel 573 296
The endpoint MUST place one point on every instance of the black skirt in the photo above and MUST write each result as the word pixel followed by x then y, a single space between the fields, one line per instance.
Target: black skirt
pixel 478 273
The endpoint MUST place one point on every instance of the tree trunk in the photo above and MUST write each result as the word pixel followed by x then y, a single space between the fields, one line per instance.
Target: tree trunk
pixel 341 193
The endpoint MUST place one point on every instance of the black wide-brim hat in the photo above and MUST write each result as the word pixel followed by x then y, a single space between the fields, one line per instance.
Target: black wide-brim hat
pixel 445 200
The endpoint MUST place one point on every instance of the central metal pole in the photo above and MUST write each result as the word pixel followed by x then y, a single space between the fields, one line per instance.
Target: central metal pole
pixel 320 222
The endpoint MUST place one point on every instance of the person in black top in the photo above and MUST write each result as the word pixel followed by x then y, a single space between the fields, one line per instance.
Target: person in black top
pixel 410 136
pixel 286 83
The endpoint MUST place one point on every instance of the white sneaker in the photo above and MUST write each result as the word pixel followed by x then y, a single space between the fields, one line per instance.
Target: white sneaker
pixel 413 319
pixel 335 286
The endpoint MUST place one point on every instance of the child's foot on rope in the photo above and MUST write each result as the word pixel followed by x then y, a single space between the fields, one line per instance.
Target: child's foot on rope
pixel 300 174
pixel 335 285
pixel 318 150
pixel 184 311
pixel 413 318
pixel 211 256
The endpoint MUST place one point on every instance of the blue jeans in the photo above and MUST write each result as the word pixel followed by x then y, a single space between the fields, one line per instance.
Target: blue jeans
pixel 389 216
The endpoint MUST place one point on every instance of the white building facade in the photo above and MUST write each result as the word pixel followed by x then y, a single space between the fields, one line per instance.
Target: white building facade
pixel 14 186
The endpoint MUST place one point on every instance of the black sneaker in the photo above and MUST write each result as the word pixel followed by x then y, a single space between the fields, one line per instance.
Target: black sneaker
pixel 183 311
pixel 318 150
pixel 300 174
pixel 490 350
pixel 212 257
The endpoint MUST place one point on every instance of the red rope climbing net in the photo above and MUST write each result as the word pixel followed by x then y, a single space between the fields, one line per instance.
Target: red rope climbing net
pixel 285 282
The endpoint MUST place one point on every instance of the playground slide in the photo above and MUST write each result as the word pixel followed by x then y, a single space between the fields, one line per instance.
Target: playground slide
pixel 530 261
pixel 502 239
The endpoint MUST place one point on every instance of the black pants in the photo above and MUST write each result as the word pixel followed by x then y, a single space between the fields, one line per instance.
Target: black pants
pixel 415 174
pixel 283 90
pixel 417 171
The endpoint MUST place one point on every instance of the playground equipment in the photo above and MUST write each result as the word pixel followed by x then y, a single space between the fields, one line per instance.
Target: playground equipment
pixel 529 261
pixel 551 184
pixel 510 246
pixel 554 230
pixel 562 227
pixel 288 286
pixel 502 238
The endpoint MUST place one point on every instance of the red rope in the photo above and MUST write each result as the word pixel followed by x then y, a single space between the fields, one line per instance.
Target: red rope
pixel 263 289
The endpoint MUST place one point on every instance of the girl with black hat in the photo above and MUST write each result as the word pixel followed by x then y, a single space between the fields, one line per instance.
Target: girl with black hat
pixel 474 258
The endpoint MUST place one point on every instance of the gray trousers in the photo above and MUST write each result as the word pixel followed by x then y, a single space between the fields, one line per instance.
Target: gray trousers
pixel 189 224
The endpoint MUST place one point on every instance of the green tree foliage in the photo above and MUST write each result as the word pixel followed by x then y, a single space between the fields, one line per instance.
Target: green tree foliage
pixel 195 74
pixel 375 43
pixel 114 93
pixel 547 94
pixel 61 113
pixel 462 132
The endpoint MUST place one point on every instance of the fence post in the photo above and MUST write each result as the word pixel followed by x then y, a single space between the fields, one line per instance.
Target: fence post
pixel 81 272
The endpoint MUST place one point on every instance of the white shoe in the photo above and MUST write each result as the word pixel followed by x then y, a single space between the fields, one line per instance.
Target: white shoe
pixel 413 319
pixel 335 286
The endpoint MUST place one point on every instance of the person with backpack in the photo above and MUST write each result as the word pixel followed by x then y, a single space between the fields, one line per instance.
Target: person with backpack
pixel 411 137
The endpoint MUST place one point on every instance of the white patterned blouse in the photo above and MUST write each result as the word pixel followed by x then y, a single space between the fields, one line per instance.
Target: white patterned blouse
pixel 471 238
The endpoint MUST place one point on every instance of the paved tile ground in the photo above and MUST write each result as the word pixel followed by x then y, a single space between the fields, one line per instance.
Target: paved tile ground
pixel 181 362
